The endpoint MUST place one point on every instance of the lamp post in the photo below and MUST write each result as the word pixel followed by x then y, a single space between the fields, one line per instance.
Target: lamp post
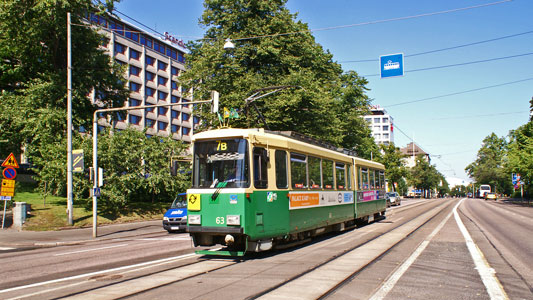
pixel 69 123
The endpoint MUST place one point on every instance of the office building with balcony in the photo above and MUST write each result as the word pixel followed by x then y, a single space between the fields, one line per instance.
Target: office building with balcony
pixel 381 125
pixel 154 64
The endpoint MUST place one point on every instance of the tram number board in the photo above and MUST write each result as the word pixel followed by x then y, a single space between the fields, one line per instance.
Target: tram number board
pixel 222 146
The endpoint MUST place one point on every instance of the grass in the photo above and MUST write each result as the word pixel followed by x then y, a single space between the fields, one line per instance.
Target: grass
pixel 51 213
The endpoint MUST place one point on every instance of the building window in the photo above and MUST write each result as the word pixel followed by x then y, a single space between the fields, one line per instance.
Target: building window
pixel 119 48
pixel 116 27
pixel 369 120
pixel 174 128
pixel 150 91
pixel 386 128
pixel 150 123
pixel 185 130
pixel 134 70
pixel 175 71
pixel 134 102
pixel 132 34
pixel 385 135
pixel 195 120
pixel 135 87
pixel 174 114
pixel 135 54
pixel 150 76
pixel 185 117
pixel 185 101
pixel 385 120
pixel 162 96
pixel 181 58
pixel 162 80
pixel 377 136
pixel 377 128
pixel 376 120
pixel 174 99
pixel 159 47
pixel 151 109
pixel 162 66
pixel 174 85
pixel 162 125
pixel 146 41
pixel 150 60
pixel 135 119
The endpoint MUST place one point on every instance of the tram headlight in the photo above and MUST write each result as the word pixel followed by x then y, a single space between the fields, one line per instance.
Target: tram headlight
pixel 233 219
pixel 195 219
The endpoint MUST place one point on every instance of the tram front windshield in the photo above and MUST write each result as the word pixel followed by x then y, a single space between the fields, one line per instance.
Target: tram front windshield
pixel 221 163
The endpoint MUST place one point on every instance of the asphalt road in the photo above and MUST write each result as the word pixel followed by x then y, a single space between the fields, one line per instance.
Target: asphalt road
pixel 420 251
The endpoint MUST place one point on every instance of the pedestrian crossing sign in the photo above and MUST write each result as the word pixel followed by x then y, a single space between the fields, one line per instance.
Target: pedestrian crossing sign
pixel 10 161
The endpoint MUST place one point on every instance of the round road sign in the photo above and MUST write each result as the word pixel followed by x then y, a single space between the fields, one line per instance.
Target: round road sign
pixel 10 173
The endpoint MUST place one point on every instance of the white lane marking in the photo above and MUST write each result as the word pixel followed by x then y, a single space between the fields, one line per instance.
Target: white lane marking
pixel 6 248
pixel 46 291
pixel 395 277
pixel 88 250
pixel 97 273
pixel 487 274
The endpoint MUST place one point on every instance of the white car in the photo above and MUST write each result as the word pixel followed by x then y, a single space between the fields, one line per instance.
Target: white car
pixel 393 199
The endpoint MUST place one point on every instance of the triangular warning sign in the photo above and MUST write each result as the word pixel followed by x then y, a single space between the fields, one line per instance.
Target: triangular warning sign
pixel 10 161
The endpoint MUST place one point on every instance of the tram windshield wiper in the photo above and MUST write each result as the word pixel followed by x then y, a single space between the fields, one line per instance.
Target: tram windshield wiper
pixel 219 186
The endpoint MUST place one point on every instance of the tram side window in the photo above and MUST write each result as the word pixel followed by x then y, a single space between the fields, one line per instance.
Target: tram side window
pixel 349 177
pixel 281 170
pixel 382 179
pixel 260 168
pixel 371 179
pixel 327 174
pixel 340 174
pixel 298 171
pixel 364 179
pixel 315 180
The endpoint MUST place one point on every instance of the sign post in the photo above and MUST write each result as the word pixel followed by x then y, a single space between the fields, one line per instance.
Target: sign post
pixel 7 189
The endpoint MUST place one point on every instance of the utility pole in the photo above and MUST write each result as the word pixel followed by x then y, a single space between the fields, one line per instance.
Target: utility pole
pixel 69 123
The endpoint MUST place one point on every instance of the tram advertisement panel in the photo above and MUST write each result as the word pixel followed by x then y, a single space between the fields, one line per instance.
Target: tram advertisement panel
pixel 298 200
pixel 363 196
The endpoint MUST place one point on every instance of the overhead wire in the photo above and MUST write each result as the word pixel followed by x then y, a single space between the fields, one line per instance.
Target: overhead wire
pixel 445 49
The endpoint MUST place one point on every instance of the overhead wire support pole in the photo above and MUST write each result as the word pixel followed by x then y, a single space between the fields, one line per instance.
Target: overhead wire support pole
pixel 95 148
pixel 69 123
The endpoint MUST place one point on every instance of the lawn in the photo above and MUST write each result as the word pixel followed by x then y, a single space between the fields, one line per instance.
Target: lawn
pixel 50 213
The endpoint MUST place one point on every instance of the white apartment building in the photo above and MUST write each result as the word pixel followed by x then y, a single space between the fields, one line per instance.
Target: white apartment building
pixel 381 125
pixel 154 65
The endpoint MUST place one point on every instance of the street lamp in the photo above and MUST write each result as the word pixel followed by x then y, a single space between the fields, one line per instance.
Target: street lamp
pixel 229 44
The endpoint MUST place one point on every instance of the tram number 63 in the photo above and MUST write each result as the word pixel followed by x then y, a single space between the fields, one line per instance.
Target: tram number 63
pixel 219 220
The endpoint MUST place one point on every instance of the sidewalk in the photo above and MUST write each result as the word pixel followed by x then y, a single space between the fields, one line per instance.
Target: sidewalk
pixel 13 238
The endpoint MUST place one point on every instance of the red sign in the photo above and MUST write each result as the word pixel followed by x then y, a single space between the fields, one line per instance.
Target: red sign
pixel 9 173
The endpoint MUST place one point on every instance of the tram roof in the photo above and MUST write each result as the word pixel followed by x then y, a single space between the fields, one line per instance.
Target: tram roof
pixel 286 136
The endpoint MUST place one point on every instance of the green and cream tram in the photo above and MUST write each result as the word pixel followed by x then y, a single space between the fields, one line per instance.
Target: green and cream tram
pixel 253 190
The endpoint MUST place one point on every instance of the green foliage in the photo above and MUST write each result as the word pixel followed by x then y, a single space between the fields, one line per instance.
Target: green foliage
pixel 425 176
pixel 488 168
pixel 322 102
pixel 33 72
pixel 520 154
pixel 395 169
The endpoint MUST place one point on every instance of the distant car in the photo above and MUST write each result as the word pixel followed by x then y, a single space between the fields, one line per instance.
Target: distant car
pixel 175 219
pixel 491 196
pixel 469 195
pixel 393 199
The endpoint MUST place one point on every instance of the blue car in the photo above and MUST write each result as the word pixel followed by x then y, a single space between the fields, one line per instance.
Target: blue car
pixel 175 218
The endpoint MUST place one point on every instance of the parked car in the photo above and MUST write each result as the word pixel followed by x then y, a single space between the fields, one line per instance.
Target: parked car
pixel 175 219
pixel 491 196
pixel 393 199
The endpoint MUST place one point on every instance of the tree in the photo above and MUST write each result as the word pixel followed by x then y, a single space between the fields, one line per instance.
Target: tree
pixel 33 68
pixel 395 169
pixel 520 154
pixel 321 102
pixel 488 168
pixel 424 176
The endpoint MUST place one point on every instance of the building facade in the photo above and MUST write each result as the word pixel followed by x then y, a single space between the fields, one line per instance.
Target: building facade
pixel 153 65
pixel 381 125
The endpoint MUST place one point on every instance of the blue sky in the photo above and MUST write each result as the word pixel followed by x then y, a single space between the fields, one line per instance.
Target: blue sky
pixel 450 128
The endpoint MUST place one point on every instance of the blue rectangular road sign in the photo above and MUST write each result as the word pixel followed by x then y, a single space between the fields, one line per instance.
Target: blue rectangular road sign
pixel 391 65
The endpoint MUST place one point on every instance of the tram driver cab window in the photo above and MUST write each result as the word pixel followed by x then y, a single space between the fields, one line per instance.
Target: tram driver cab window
pixel 260 168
